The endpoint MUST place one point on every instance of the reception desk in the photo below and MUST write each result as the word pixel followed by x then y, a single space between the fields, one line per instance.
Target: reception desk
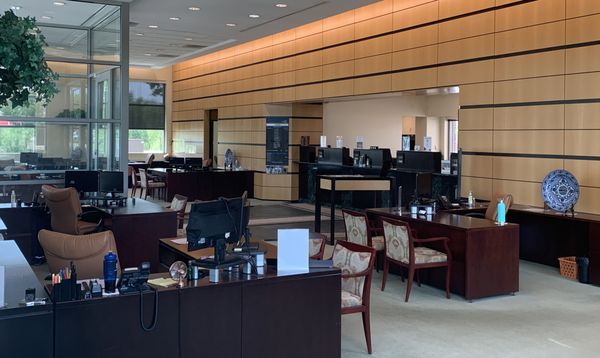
pixel 485 256
pixel 205 184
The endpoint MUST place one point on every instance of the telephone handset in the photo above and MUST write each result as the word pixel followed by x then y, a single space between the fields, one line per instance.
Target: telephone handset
pixel 446 204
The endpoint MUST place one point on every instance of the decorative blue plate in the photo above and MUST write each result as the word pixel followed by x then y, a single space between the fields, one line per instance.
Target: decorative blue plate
pixel 560 190
pixel 228 158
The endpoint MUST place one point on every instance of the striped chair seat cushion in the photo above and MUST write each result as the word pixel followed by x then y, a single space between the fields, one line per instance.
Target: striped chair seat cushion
pixel 350 300
pixel 425 255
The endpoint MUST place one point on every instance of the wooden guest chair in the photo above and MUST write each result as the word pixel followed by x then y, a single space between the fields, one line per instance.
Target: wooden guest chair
pixel 360 231
pixel 147 185
pixel 86 251
pixel 179 204
pixel 66 215
pixel 491 213
pixel 401 249
pixel 316 248
pixel 134 180
pixel 356 263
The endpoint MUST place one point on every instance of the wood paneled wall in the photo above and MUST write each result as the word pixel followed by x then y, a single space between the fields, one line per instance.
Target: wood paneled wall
pixel 528 71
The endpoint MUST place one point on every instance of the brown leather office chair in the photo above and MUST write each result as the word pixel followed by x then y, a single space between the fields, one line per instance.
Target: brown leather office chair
pixel 356 263
pixel 66 213
pixel 86 251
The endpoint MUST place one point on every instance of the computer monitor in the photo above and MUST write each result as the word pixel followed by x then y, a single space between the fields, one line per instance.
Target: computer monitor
pixel 110 182
pixel 177 162
pixel 29 158
pixel 195 162
pixel 214 224
pixel 85 181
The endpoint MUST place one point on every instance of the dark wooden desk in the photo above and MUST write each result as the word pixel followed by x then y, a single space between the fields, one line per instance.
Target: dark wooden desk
pixel 138 228
pixel 25 332
pixel 206 184
pixel 337 183
pixel 546 235
pixel 242 316
pixel 22 225
pixel 485 256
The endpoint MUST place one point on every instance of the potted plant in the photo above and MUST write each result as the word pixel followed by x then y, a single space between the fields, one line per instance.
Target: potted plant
pixel 23 69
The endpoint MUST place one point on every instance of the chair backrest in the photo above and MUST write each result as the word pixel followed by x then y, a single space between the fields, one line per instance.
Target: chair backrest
pixel 179 204
pixel 316 248
pixel 356 225
pixel 143 178
pixel 355 259
pixel 86 251
pixel 398 240
pixel 491 212
pixel 65 208
pixel 132 174
pixel 149 159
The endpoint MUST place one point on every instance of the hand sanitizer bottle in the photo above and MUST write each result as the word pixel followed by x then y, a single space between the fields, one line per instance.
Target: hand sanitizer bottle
pixel 501 212
pixel 470 199
pixel 13 199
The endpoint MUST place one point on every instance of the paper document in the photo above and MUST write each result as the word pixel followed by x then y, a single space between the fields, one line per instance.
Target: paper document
pixel 182 241
pixel 162 282
pixel 292 251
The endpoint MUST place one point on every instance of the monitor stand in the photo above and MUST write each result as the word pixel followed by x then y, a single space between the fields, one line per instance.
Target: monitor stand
pixel 220 259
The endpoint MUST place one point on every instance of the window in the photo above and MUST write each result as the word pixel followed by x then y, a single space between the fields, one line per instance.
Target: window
pixel 452 136
pixel 146 117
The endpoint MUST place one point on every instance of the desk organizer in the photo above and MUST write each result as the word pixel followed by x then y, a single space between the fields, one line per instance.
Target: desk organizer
pixel 67 290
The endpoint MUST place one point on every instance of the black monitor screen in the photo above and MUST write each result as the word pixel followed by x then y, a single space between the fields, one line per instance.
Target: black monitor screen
pixel 213 220
pixel 110 182
pixel 85 181
pixel 193 162
pixel 177 161
pixel 29 158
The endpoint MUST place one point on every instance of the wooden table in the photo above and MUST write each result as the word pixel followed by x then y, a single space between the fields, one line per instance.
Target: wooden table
pixel 137 229
pixel 336 183
pixel 205 184
pixel 485 256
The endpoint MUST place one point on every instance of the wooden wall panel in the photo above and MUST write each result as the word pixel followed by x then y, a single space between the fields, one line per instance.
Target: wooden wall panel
pixel 524 169
pixel 480 71
pixel 338 54
pixel 582 142
pixel 372 47
pixel 475 141
pixel 421 56
pixel 421 36
pixel 583 29
pixel 533 65
pixel 449 8
pixel 373 84
pixel 588 200
pixel 474 47
pixel 587 172
pixel 477 118
pixel 476 94
pixel 469 26
pixel 529 142
pixel 530 38
pixel 372 27
pixel 582 85
pixel 583 59
pixel 530 117
pixel 426 78
pixel 526 193
pixel 477 166
pixel 481 187
pixel 530 90
pixel 405 4
pixel 373 64
pixel 528 14
pixel 417 15
pixel 576 8
pixel 582 116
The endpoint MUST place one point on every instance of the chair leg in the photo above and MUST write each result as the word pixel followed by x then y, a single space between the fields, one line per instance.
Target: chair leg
pixel 141 191
pixel 411 275
pixel 367 326
pixel 386 267
pixel 146 194
pixel 448 281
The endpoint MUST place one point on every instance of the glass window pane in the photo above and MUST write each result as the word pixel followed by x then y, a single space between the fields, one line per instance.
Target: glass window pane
pixel 146 93
pixel 106 35
pixel 65 42
pixel 146 140
pixel 106 89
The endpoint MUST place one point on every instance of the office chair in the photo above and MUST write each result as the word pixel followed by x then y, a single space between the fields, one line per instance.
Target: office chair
pixel 491 213
pixel 66 214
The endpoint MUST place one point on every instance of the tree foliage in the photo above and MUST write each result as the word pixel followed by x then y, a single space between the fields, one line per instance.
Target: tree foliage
pixel 23 70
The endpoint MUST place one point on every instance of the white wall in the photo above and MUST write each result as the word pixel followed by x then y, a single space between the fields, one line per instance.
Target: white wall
pixel 379 120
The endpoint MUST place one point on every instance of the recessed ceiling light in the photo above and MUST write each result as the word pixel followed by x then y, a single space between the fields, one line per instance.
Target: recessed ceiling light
pixel 188 39
pixel 147 54
pixel 253 16
pixel 139 34
pixel 193 8
pixel 153 26
pixel 15 7
pixel 59 3
pixel 231 25
pixel 175 18
pixel 281 5
pixel 46 17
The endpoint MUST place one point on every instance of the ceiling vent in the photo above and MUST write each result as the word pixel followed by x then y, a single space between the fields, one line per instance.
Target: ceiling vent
pixel 193 46
pixel 165 55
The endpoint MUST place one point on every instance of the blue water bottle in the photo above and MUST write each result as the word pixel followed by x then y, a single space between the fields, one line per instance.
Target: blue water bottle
pixel 110 272
pixel 501 212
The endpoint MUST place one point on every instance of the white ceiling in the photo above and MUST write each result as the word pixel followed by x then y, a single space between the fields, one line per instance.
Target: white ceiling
pixel 197 32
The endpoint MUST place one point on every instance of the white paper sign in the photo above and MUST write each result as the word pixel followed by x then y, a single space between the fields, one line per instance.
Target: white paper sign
pixel 323 141
pixel 292 251
pixel 2 286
